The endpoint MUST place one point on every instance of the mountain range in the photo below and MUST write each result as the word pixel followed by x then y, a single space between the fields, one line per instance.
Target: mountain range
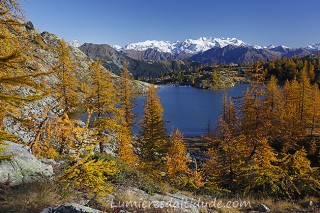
pixel 166 50
pixel 152 57
pixel 113 61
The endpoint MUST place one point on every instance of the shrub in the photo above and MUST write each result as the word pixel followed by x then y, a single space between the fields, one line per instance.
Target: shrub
pixel 131 176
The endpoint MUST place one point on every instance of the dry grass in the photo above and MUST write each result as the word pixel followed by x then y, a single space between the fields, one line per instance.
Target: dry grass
pixel 29 198
pixel 228 210
pixel 278 206
pixel 34 197
pixel 189 194
pixel 127 195
pixel 166 188
pixel 313 199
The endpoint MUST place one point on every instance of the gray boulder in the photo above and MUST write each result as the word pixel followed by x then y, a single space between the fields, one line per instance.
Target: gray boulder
pixel 70 208
pixel 307 204
pixel 22 167
pixel 263 208
pixel 176 202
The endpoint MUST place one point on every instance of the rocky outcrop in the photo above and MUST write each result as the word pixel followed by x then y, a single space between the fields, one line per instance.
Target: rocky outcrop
pixel 81 60
pixel 35 110
pixel 149 54
pixel 224 82
pixel 126 200
pixel 22 167
pixel 307 204
pixel 263 208
pixel 176 202
pixel 44 56
pixel 70 208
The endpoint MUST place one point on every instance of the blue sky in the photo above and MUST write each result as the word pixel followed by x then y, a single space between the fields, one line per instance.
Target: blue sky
pixel 289 22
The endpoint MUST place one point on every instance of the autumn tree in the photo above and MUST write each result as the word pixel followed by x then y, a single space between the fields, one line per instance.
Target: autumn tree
pixel 311 70
pixel 300 178
pixel 262 172
pixel 292 129
pixel 226 157
pixel 153 133
pixel 229 114
pixel 67 88
pixel 55 138
pixel 273 109
pixel 63 138
pixel 56 131
pixel 305 100
pixel 102 102
pixel 127 96
pixel 85 170
pixel 252 111
pixel 273 97
pixel 176 159
pixel 126 152
pixel 215 77
pixel 126 149
pixel 271 124
pixel 315 117
pixel 14 66
pixel 213 169
pixel 90 174
pixel 313 144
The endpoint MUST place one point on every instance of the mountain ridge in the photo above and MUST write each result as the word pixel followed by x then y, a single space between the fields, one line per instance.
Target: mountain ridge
pixel 113 60
pixel 201 44
pixel 194 48
pixel 151 58
pixel 191 46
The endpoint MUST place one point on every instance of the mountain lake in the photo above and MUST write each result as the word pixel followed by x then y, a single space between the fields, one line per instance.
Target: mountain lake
pixel 190 109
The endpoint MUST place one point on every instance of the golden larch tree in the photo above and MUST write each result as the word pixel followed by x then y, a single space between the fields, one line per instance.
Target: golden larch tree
pixel 299 177
pixel 127 96
pixel 153 133
pixel 126 151
pixel 67 87
pixel 305 100
pixel 176 159
pixel 262 173
pixel 273 105
pixel 227 157
pixel 292 129
pixel 102 102
pixel 14 63
pixel 86 170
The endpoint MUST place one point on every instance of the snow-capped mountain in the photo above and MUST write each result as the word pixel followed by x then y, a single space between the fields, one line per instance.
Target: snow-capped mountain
pixel 205 43
pixel 210 50
pixel 202 44
pixel 117 47
pixel 75 43
pixel 190 46
pixel 314 47
pixel 148 57
pixel 161 46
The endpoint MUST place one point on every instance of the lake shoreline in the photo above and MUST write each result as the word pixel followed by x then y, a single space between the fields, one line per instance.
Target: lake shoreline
pixel 186 85
pixel 199 143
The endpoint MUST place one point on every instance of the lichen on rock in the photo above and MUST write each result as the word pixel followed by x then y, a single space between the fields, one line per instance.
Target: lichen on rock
pixel 22 167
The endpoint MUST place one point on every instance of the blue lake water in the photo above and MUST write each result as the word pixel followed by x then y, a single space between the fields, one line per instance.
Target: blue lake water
pixel 190 109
